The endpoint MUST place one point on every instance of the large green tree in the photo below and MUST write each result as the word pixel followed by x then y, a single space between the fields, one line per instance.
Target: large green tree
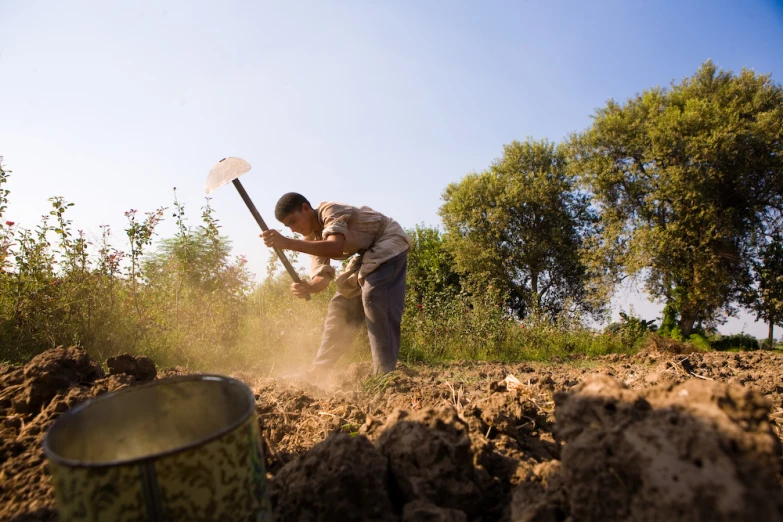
pixel 683 178
pixel 518 229
pixel 765 297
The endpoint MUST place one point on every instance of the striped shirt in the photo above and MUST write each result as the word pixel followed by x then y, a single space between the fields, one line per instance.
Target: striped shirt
pixel 370 237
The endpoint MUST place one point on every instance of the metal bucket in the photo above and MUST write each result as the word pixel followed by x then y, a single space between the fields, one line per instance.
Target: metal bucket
pixel 186 448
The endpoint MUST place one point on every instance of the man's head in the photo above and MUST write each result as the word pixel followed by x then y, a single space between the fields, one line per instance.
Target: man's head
pixel 294 211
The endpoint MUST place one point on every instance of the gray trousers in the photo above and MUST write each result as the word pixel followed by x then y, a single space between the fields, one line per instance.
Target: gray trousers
pixel 380 306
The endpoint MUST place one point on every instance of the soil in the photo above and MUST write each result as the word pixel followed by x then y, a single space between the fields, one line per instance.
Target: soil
pixel 661 435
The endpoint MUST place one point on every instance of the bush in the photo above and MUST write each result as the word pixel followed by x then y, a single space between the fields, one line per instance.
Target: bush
pixel 700 342
pixel 183 304
pixel 478 327
pixel 631 330
pixel 734 342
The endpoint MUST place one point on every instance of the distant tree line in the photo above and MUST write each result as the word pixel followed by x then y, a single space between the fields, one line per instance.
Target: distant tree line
pixel 679 187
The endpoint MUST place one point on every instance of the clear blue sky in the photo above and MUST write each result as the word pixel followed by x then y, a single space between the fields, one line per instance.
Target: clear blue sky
pixel 370 103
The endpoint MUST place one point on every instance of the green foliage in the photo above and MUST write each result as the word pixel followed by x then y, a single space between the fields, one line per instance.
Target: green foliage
pixel 765 297
pixel 700 342
pixel 193 300
pixel 669 322
pixel 182 304
pixel 740 341
pixel 47 290
pixel 378 383
pixel 631 330
pixel 519 228
pixel 475 327
pixel 186 302
pixel 683 178
pixel 431 272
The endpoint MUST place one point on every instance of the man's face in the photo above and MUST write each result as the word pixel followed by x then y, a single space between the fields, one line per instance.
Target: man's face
pixel 299 222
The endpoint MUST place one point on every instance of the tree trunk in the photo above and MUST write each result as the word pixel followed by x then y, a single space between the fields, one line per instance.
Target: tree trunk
pixel 770 339
pixel 686 324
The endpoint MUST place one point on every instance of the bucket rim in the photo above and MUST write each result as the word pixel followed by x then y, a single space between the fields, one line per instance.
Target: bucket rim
pixel 71 463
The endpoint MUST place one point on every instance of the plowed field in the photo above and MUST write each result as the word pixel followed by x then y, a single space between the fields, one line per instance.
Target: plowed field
pixel 654 436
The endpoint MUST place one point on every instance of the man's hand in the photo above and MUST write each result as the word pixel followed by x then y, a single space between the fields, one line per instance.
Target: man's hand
pixel 274 239
pixel 300 290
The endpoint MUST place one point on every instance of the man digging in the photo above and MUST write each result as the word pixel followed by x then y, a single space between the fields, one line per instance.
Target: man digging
pixel 370 288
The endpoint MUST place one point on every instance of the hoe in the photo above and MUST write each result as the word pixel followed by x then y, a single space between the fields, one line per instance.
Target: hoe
pixel 229 169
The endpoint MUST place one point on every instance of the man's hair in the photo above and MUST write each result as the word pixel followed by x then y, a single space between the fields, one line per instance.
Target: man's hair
pixel 291 202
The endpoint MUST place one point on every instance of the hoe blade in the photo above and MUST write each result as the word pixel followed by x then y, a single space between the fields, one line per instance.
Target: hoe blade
pixel 227 170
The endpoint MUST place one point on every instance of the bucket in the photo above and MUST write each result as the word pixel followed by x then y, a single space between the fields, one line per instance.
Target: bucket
pixel 179 449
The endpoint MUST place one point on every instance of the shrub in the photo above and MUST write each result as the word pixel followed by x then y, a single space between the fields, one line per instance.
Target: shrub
pixel 734 342
pixel 631 330
pixel 700 342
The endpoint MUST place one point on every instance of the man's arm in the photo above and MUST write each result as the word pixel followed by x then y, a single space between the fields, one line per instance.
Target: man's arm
pixel 315 285
pixel 331 247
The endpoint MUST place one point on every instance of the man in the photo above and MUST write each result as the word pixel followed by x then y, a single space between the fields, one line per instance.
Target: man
pixel 370 288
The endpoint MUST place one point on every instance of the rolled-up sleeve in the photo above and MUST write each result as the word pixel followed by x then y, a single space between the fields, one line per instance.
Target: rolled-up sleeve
pixel 319 266
pixel 335 218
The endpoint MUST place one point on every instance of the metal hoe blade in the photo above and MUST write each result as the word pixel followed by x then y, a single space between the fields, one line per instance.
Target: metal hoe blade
pixel 227 170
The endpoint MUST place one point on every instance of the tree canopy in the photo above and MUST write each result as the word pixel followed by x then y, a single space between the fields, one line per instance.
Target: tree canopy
pixel 518 227
pixel 683 178
pixel 431 272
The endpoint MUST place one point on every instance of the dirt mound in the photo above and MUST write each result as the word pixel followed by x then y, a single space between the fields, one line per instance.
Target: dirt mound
pixel 658 344
pixel 140 368
pixel 431 460
pixel 341 478
pixel 31 397
pixel 52 372
pixel 693 451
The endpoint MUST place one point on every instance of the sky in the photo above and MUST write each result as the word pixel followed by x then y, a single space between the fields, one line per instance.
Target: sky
pixel 113 104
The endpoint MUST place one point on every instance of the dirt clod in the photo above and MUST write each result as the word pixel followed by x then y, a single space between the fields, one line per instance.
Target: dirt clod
pixel 140 368
pixel 430 458
pixel 422 511
pixel 693 451
pixel 51 372
pixel 341 478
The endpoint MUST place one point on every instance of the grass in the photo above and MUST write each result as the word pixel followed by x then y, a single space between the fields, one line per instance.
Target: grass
pixel 378 383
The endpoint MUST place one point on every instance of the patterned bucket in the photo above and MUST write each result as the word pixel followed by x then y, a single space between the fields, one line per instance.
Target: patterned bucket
pixel 186 448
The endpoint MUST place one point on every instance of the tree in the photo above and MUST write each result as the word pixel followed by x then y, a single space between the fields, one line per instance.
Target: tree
pixel 765 298
pixel 683 178
pixel 518 227
pixel 431 270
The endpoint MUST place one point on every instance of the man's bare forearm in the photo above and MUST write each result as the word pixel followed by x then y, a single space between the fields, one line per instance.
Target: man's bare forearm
pixel 332 247
pixel 318 284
